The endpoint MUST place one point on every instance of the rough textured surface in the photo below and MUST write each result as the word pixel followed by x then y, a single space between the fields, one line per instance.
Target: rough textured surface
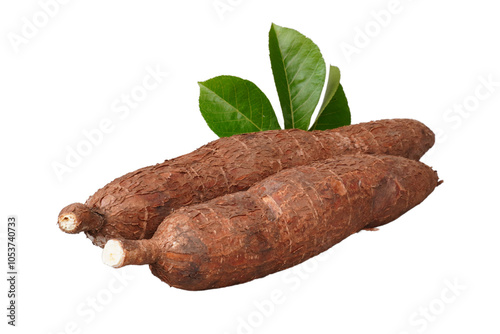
pixel 281 221
pixel 135 204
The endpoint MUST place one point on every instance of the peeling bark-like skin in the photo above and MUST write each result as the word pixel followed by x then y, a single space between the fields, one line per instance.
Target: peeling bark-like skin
pixel 281 221
pixel 136 203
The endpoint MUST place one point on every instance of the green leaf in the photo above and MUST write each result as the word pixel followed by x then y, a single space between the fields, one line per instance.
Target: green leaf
pixel 334 111
pixel 231 105
pixel 331 86
pixel 299 74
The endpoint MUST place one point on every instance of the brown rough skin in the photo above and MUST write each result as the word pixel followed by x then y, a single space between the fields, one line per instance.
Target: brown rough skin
pixel 135 204
pixel 281 221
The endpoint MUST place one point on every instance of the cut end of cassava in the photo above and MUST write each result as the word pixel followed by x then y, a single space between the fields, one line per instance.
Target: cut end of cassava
pixel 68 223
pixel 78 217
pixel 113 254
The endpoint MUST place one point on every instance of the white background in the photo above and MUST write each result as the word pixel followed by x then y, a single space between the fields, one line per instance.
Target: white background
pixel 427 61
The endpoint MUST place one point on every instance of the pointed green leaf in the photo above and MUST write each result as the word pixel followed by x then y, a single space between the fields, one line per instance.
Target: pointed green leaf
pixel 231 105
pixel 331 86
pixel 299 74
pixel 335 113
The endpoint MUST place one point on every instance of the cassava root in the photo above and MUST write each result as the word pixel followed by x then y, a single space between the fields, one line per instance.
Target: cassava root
pixel 132 206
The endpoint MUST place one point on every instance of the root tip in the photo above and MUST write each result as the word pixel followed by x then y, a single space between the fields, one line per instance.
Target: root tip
pixel 78 217
pixel 113 254
pixel 68 222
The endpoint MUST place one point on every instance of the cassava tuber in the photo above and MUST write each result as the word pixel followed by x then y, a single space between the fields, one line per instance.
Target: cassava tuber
pixel 278 222
pixel 132 206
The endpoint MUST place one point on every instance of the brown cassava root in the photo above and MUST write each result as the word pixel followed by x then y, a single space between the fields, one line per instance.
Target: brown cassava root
pixel 132 206
pixel 277 223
